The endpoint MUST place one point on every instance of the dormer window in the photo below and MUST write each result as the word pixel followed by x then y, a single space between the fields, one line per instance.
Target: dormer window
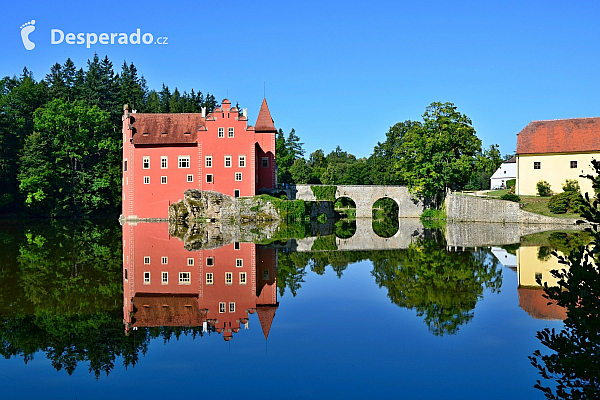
pixel 186 133
pixel 164 133
pixel 145 133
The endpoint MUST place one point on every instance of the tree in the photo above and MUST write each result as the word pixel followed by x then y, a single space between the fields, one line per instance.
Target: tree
pixel 486 163
pixel 386 155
pixel 287 150
pixel 439 153
pixel 574 363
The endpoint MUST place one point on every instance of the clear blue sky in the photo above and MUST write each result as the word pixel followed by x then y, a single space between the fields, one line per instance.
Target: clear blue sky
pixel 343 72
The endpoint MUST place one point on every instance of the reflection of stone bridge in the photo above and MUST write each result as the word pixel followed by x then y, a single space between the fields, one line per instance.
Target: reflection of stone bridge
pixel 364 197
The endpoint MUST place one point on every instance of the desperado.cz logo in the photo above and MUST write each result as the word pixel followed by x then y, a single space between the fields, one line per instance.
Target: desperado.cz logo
pixel 58 36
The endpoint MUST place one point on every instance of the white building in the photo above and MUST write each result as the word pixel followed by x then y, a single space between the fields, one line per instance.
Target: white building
pixel 507 171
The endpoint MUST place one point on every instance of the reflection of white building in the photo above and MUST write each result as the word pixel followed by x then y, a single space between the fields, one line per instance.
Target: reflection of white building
pixel 505 258
pixel 507 171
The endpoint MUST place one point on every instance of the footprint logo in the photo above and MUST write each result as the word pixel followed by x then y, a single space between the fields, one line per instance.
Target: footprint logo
pixel 26 29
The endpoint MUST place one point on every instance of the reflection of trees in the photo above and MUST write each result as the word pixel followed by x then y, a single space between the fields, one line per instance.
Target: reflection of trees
pixel 442 286
pixel 62 295
pixel 574 363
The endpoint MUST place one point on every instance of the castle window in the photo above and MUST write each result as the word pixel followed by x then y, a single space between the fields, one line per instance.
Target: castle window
pixel 221 132
pixel 573 164
pixel 229 132
pixel 146 278
pixel 208 161
pixel 265 162
pixel 146 163
pixel 184 278
pixel 209 178
pixel 163 180
pixel 165 278
pixel 228 278
pixel 184 161
pixel 190 178
pixel 209 278
pixel 238 176
pixel 537 165
pixel 265 274
pixel 232 307
pixel 164 260
pixel 242 278
pixel 146 180
pixel 239 262
pixel 147 260
pixel 236 245
pixel 163 162
pixel 190 262
pixel 210 261
pixel 236 193
pixel 242 161
pixel 227 161
pixel 222 307
pixel 125 165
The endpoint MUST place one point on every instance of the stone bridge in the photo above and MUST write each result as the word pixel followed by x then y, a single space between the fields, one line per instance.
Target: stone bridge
pixel 364 197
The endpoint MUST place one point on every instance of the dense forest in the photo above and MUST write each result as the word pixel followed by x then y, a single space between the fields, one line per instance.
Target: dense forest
pixel 60 143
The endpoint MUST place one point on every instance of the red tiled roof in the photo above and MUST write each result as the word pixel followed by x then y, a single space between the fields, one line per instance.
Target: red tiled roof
pixel 264 122
pixel 161 310
pixel 179 128
pixel 560 136
pixel 533 302
pixel 265 317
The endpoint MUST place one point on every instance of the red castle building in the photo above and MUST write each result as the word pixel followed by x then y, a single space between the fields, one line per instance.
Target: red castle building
pixel 166 285
pixel 166 154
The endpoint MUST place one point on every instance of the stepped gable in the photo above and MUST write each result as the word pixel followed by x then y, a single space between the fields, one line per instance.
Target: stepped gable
pixel 166 129
pixel 264 122
pixel 265 317
pixel 560 136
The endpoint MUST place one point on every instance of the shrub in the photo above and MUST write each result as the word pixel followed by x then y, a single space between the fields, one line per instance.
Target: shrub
pixel 326 193
pixel 511 183
pixel 511 197
pixel 543 189
pixel 571 185
pixel 559 203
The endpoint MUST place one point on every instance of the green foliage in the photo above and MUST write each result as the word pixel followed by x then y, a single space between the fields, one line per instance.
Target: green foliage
pixel 511 197
pixel 442 286
pixel 345 228
pixel 543 189
pixel 288 150
pixel 511 183
pixel 292 210
pixel 570 200
pixel 322 218
pixel 385 227
pixel 324 193
pixel 385 207
pixel 324 243
pixel 439 153
pixel 433 218
pixel 573 361
pixel 571 185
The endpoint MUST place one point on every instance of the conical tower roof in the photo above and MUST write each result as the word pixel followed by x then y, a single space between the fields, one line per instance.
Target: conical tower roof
pixel 265 317
pixel 264 122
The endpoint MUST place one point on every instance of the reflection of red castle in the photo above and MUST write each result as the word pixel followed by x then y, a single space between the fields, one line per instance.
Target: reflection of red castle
pixel 532 301
pixel 166 285
pixel 166 154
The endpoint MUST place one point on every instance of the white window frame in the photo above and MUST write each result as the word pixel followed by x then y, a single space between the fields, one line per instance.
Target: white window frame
pixel 238 177
pixel 146 160
pixel 183 161
pixel 232 306
pixel 190 262
pixel 190 178
pixel 236 245
pixel 146 180
pixel 163 180
pixel 164 260
pixel 164 278
pixel 228 278
pixel 208 161
pixel 146 260
pixel 243 278
pixel 164 162
pixel 185 278
pixel 227 161
pixel 209 278
pixel 146 277
pixel 221 133
pixel 230 132
pixel 239 262
pixel 211 263
pixel 222 307
pixel 237 193
pixel 242 161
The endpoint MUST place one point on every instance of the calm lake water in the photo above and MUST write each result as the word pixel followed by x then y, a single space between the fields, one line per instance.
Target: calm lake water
pixel 100 311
